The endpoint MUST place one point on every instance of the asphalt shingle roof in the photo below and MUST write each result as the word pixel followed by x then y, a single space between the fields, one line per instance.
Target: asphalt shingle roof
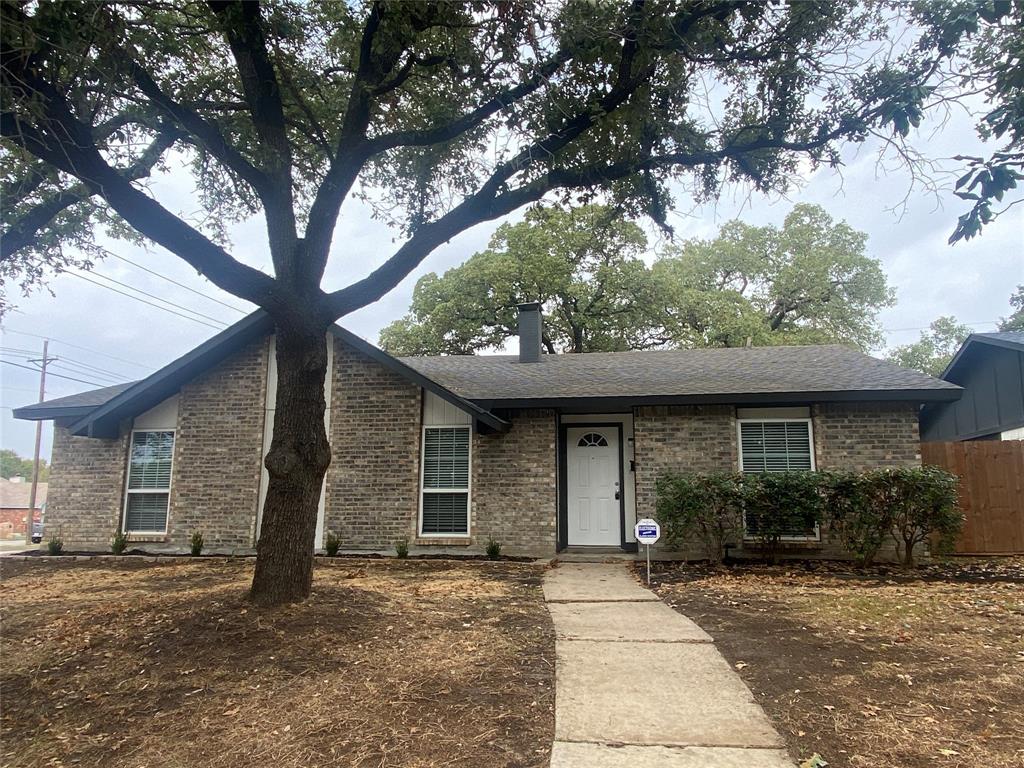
pixel 689 372
pixel 92 397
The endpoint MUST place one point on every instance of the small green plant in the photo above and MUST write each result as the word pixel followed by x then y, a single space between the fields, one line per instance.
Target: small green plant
pixel 402 548
pixel 196 544
pixel 493 549
pixel 332 544
pixel 55 545
pixel 119 543
pixel 778 505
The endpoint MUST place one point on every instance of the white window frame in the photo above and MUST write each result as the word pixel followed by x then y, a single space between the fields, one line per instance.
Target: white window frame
pixel 814 465
pixel 128 491
pixel 468 490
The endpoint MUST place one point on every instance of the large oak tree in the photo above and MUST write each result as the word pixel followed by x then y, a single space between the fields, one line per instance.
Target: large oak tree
pixel 444 115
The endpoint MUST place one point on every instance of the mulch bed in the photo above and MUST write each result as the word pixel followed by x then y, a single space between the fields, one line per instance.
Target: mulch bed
pixel 875 669
pixel 389 663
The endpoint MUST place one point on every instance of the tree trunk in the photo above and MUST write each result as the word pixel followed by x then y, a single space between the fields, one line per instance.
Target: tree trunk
pixel 297 460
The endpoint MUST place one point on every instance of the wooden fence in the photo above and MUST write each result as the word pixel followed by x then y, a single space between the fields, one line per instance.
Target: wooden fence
pixel 991 492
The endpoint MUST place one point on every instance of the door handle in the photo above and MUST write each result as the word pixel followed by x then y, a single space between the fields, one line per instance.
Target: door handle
pixel 616 495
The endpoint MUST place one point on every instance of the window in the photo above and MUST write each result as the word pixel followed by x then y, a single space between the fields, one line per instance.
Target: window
pixel 778 445
pixel 149 482
pixel 775 446
pixel 445 496
pixel 592 439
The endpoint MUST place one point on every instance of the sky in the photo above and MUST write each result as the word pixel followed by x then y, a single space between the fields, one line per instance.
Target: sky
pixel 101 337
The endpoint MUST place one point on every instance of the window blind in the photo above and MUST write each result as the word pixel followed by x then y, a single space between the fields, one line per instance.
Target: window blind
pixel 446 480
pixel 149 481
pixel 775 446
pixel 445 513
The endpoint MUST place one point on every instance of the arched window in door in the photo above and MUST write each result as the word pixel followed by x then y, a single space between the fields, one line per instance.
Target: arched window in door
pixel 592 439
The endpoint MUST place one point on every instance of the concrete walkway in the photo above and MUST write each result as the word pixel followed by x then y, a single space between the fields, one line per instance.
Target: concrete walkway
pixel 638 684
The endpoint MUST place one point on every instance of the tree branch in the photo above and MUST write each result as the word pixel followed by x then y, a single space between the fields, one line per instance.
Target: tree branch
pixel 23 232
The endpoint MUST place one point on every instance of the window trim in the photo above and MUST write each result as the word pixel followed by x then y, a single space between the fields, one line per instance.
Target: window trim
pixel 468 490
pixel 809 421
pixel 129 491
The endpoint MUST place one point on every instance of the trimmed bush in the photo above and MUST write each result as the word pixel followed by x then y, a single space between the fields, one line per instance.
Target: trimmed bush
pixel 332 544
pixel 924 505
pixel 55 546
pixel 402 548
pixel 119 543
pixel 859 514
pixel 780 504
pixel 196 544
pixel 706 510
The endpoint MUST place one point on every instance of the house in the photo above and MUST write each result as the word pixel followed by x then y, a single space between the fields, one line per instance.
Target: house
pixel 990 369
pixel 540 452
pixel 15 498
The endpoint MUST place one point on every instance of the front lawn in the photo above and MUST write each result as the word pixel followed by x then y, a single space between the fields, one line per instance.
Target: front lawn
pixel 390 663
pixel 873 670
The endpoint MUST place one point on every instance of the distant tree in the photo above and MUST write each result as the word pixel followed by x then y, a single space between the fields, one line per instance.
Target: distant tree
pixel 13 465
pixel 1015 322
pixel 936 347
pixel 809 282
pixel 583 265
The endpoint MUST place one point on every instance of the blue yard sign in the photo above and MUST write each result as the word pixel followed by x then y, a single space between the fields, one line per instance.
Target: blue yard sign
pixel 647 532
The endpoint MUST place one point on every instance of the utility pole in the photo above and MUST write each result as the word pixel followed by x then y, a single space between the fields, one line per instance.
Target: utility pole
pixel 39 439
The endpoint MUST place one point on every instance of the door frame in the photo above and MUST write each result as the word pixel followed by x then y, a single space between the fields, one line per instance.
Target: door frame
pixel 563 474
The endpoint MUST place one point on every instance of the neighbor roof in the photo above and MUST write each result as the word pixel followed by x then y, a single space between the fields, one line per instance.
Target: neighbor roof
pixel 1006 339
pixel 756 374
pixel 479 383
pixel 16 495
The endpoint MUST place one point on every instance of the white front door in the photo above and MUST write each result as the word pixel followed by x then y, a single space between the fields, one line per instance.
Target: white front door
pixel 593 486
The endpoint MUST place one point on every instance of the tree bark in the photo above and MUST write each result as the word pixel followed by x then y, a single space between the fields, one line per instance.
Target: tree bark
pixel 297 460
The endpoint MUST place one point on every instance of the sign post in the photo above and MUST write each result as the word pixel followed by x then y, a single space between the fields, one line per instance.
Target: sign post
pixel 647 532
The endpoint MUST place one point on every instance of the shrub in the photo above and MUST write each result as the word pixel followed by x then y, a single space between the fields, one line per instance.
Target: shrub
pixel 196 544
pixel 702 509
pixel 493 549
pixel 779 504
pixel 119 543
pixel 55 545
pixel 860 513
pixel 332 544
pixel 402 548
pixel 924 504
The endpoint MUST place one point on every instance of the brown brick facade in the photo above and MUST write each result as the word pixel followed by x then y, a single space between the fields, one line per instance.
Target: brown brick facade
pixel 514 485
pixel 218 452
pixel 859 436
pixel 373 480
pixel 86 489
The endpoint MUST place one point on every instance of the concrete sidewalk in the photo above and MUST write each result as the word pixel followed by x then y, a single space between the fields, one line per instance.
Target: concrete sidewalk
pixel 638 684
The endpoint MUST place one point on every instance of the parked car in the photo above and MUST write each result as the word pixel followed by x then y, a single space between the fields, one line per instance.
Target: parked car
pixel 37 525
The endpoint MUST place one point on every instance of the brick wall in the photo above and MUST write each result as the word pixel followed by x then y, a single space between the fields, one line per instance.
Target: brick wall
pixel 86 489
pixel 218 451
pixel 859 436
pixel 680 438
pixel 514 486
pixel 373 481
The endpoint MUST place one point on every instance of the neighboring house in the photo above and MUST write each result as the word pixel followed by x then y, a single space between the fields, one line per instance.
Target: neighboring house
pixel 540 452
pixel 15 495
pixel 990 369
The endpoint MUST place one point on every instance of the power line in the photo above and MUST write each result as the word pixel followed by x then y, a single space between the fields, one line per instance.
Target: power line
pixel 152 296
pixel 6 329
pixel 83 372
pixel 59 376
pixel 928 327
pixel 130 296
pixel 175 282
pixel 90 366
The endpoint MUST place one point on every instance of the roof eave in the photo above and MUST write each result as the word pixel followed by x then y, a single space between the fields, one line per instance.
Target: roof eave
pixel 978 338
pixel 36 413
pixel 919 396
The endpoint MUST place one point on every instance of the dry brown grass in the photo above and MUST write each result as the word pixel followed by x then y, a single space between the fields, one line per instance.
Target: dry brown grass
pixel 389 663
pixel 874 670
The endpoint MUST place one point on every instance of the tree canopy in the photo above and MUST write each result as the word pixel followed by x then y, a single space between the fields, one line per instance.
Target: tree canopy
pixel 1015 321
pixel 933 351
pixel 809 281
pixel 13 465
